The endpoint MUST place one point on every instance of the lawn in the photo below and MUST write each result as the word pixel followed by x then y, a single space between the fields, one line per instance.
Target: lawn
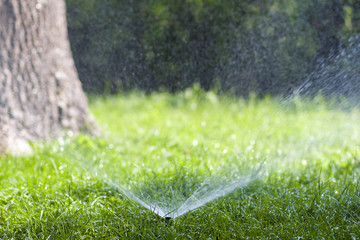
pixel 291 167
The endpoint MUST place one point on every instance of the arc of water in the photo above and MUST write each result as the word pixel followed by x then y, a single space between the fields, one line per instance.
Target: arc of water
pixel 155 208
pixel 203 196
pixel 207 192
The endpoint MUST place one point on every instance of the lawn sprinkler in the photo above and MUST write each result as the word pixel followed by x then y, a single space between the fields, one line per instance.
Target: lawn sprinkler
pixel 167 220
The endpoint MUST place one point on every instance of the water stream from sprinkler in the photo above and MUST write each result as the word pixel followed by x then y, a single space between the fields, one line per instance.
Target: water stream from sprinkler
pixel 208 191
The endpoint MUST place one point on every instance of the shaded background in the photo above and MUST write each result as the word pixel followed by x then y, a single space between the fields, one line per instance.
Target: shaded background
pixel 234 46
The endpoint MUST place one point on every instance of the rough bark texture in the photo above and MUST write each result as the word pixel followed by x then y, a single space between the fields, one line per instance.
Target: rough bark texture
pixel 40 94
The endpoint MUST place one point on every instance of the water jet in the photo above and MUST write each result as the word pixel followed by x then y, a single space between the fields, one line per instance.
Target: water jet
pixel 175 206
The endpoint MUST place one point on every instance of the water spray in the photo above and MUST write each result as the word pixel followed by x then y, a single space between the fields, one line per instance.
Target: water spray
pixel 208 191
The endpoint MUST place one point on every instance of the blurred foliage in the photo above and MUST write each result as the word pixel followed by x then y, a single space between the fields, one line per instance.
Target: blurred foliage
pixel 237 46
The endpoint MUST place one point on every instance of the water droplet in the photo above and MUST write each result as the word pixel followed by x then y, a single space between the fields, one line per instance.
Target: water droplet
pixel 38 6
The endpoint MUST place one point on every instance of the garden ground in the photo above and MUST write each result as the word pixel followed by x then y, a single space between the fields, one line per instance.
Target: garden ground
pixel 161 143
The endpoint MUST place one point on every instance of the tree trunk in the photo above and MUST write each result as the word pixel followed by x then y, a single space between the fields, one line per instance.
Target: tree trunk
pixel 40 93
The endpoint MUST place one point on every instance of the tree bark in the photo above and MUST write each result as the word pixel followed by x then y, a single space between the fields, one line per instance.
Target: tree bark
pixel 40 93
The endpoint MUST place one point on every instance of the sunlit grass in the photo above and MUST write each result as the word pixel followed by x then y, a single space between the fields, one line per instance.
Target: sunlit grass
pixel 164 146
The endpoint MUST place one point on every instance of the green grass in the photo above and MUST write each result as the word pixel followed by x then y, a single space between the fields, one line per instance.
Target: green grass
pixel 163 147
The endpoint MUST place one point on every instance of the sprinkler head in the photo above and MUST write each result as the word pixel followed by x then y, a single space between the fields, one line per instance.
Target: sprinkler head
pixel 167 220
